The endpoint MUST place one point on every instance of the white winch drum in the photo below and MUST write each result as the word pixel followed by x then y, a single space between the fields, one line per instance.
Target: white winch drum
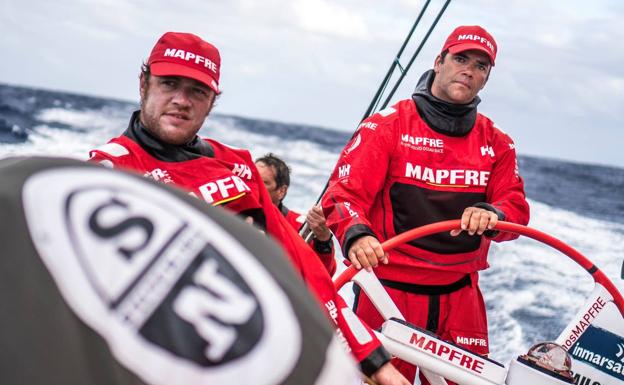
pixel 522 373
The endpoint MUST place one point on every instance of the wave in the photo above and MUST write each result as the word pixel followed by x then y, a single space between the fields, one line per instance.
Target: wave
pixel 530 290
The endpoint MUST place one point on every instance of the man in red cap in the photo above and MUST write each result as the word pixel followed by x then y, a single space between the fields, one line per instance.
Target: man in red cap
pixel 430 158
pixel 178 87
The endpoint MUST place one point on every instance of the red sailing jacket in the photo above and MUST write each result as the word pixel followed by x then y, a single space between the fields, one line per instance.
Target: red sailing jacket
pixel 397 173
pixel 295 219
pixel 325 253
pixel 230 179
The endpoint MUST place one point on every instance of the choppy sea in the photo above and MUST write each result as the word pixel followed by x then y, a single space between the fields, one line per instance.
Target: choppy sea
pixel 531 291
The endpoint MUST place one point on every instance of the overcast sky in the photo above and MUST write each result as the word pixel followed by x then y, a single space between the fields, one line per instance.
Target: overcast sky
pixel 557 88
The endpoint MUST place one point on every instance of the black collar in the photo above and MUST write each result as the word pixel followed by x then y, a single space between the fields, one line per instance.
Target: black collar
pixel 443 117
pixel 283 209
pixel 162 151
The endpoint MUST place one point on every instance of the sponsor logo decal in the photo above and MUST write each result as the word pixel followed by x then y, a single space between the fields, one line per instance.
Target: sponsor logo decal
pixel 601 349
pixel 478 38
pixel 131 267
pixel 223 306
pixel 620 353
pixel 447 178
pixel 332 310
pixel 487 150
pixel 191 57
pixel 344 170
pixel 352 212
pixel 369 125
pixel 471 341
pixel 589 315
pixel 242 170
pixel 159 175
pixel 420 143
pixel 224 190
pixel 447 352
pixel 444 353
pixel 598 360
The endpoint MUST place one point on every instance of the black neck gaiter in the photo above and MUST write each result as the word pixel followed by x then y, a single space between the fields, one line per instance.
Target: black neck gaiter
pixel 443 117
pixel 164 151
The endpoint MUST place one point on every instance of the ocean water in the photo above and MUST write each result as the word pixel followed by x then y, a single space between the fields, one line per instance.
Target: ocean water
pixel 531 291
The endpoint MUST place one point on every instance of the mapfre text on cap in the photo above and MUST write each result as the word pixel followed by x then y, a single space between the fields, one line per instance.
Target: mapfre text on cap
pixel 190 56
pixel 478 38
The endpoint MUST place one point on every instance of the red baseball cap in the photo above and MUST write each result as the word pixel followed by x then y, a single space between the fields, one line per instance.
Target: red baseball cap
pixel 185 54
pixel 469 37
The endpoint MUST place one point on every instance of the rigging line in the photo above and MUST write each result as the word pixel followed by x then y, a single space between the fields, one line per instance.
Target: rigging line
pixel 400 66
pixel 305 230
pixel 422 43
pixel 381 89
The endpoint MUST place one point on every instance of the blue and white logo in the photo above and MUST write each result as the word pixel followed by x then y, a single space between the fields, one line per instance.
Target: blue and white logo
pixel 602 350
pixel 620 353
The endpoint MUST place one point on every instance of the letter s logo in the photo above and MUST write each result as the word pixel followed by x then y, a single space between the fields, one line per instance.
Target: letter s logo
pixel 116 236
pixel 127 224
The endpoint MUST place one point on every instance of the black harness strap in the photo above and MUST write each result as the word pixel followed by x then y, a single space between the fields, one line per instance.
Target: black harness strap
pixel 433 315
pixel 433 291
pixel 427 289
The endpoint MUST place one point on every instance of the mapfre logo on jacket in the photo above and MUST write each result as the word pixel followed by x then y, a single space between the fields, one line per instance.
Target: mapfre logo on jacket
pixel 447 177
pixel 224 190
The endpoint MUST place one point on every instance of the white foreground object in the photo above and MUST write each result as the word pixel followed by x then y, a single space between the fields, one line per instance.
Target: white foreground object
pixel 523 374
pixel 594 339
pixel 433 354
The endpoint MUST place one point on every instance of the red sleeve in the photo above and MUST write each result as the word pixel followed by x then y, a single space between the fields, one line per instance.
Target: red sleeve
pixel 362 342
pixel 323 251
pixel 359 175
pixel 113 155
pixel 101 158
pixel 295 219
pixel 325 254
pixel 357 335
pixel 505 189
